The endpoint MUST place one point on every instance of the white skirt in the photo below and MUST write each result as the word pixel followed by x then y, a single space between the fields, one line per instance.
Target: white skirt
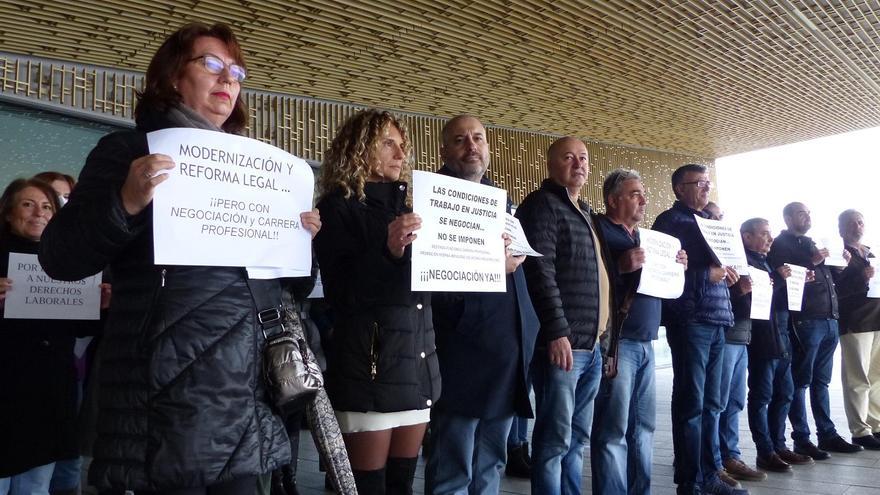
pixel 354 422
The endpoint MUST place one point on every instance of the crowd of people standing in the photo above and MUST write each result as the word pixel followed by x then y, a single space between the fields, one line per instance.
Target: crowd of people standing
pixel 175 403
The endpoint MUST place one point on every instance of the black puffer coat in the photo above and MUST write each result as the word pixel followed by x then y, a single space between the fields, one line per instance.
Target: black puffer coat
pixel 37 382
pixel 382 356
pixel 564 283
pixel 181 398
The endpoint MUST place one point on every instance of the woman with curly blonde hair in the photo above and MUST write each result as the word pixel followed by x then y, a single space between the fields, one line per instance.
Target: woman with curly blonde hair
pixel 382 374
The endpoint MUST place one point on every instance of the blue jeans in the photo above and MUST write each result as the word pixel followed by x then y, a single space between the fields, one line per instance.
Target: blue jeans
pixel 733 396
pixel 564 403
pixel 697 355
pixel 623 426
pixel 770 392
pixel 519 432
pixel 34 481
pixel 67 475
pixel 468 454
pixel 811 365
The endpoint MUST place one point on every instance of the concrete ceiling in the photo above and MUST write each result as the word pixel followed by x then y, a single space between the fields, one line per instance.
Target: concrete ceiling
pixel 708 78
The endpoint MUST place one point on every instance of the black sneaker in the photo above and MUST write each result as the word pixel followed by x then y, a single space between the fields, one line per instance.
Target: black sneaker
pixel 517 463
pixel 868 442
pixel 838 444
pixel 809 449
pixel 877 435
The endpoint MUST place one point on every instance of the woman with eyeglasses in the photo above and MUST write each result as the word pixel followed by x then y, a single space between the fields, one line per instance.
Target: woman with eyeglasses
pixel 183 406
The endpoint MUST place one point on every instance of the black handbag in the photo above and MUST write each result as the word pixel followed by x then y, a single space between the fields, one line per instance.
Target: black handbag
pixel 291 371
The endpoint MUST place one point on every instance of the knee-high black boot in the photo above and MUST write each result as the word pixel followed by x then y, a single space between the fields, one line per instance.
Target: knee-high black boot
pixel 399 475
pixel 370 482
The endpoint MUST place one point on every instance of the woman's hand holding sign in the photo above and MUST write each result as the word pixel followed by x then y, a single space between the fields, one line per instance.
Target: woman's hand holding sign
pixel 143 177
pixel 311 221
pixel 401 233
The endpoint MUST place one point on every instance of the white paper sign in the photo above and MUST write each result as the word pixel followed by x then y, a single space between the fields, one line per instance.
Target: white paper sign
pixel 230 201
pixel 34 295
pixel 794 286
pixel 835 248
pixel 874 282
pixel 762 294
pixel 661 275
pixel 519 244
pixel 272 272
pixel 725 242
pixel 459 247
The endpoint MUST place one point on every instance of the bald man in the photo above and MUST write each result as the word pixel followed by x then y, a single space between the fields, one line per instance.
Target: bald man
pixel 485 342
pixel 814 334
pixel 570 291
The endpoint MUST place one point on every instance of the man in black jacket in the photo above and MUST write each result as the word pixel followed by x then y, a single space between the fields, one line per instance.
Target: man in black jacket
pixel 859 335
pixel 814 332
pixel 736 358
pixel 570 290
pixel 769 359
pixel 484 344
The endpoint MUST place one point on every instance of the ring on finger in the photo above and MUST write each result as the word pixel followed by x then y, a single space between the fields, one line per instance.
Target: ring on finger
pixel 147 175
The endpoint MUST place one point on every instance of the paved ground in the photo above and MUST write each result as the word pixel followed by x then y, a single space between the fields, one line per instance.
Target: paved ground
pixel 850 474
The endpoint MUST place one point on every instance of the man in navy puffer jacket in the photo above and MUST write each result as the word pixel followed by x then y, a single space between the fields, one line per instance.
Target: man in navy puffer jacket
pixel 695 324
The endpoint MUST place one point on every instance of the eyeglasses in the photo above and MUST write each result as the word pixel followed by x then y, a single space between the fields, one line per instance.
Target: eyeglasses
pixel 215 65
pixel 700 183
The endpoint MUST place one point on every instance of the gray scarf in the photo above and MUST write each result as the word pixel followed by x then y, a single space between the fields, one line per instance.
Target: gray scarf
pixel 184 116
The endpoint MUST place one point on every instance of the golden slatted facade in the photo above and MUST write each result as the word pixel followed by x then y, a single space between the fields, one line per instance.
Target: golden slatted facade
pixel 305 127
pixel 702 77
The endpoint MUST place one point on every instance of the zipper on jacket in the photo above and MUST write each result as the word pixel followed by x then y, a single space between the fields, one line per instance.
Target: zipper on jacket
pixel 374 351
pixel 164 270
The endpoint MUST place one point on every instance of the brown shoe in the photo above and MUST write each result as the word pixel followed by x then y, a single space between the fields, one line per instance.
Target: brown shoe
pixel 794 458
pixel 727 479
pixel 739 470
pixel 772 463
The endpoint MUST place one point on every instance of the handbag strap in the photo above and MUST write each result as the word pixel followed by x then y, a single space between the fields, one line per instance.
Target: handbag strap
pixel 267 299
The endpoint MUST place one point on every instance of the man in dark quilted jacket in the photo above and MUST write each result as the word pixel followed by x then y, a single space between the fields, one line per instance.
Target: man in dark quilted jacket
pixel 695 325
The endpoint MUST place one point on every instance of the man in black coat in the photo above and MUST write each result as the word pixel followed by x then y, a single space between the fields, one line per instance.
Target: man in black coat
pixel 814 333
pixel 571 292
pixel 769 357
pixel 859 335
pixel 484 345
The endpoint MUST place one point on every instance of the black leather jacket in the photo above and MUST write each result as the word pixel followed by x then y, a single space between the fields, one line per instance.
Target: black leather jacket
pixel 820 296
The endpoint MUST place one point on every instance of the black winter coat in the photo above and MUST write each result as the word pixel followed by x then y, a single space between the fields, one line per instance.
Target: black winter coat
pixel 181 396
pixel 858 312
pixel 820 297
pixel 37 382
pixel 486 341
pixel 564 283
pixel 767 339
pixel 382 355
